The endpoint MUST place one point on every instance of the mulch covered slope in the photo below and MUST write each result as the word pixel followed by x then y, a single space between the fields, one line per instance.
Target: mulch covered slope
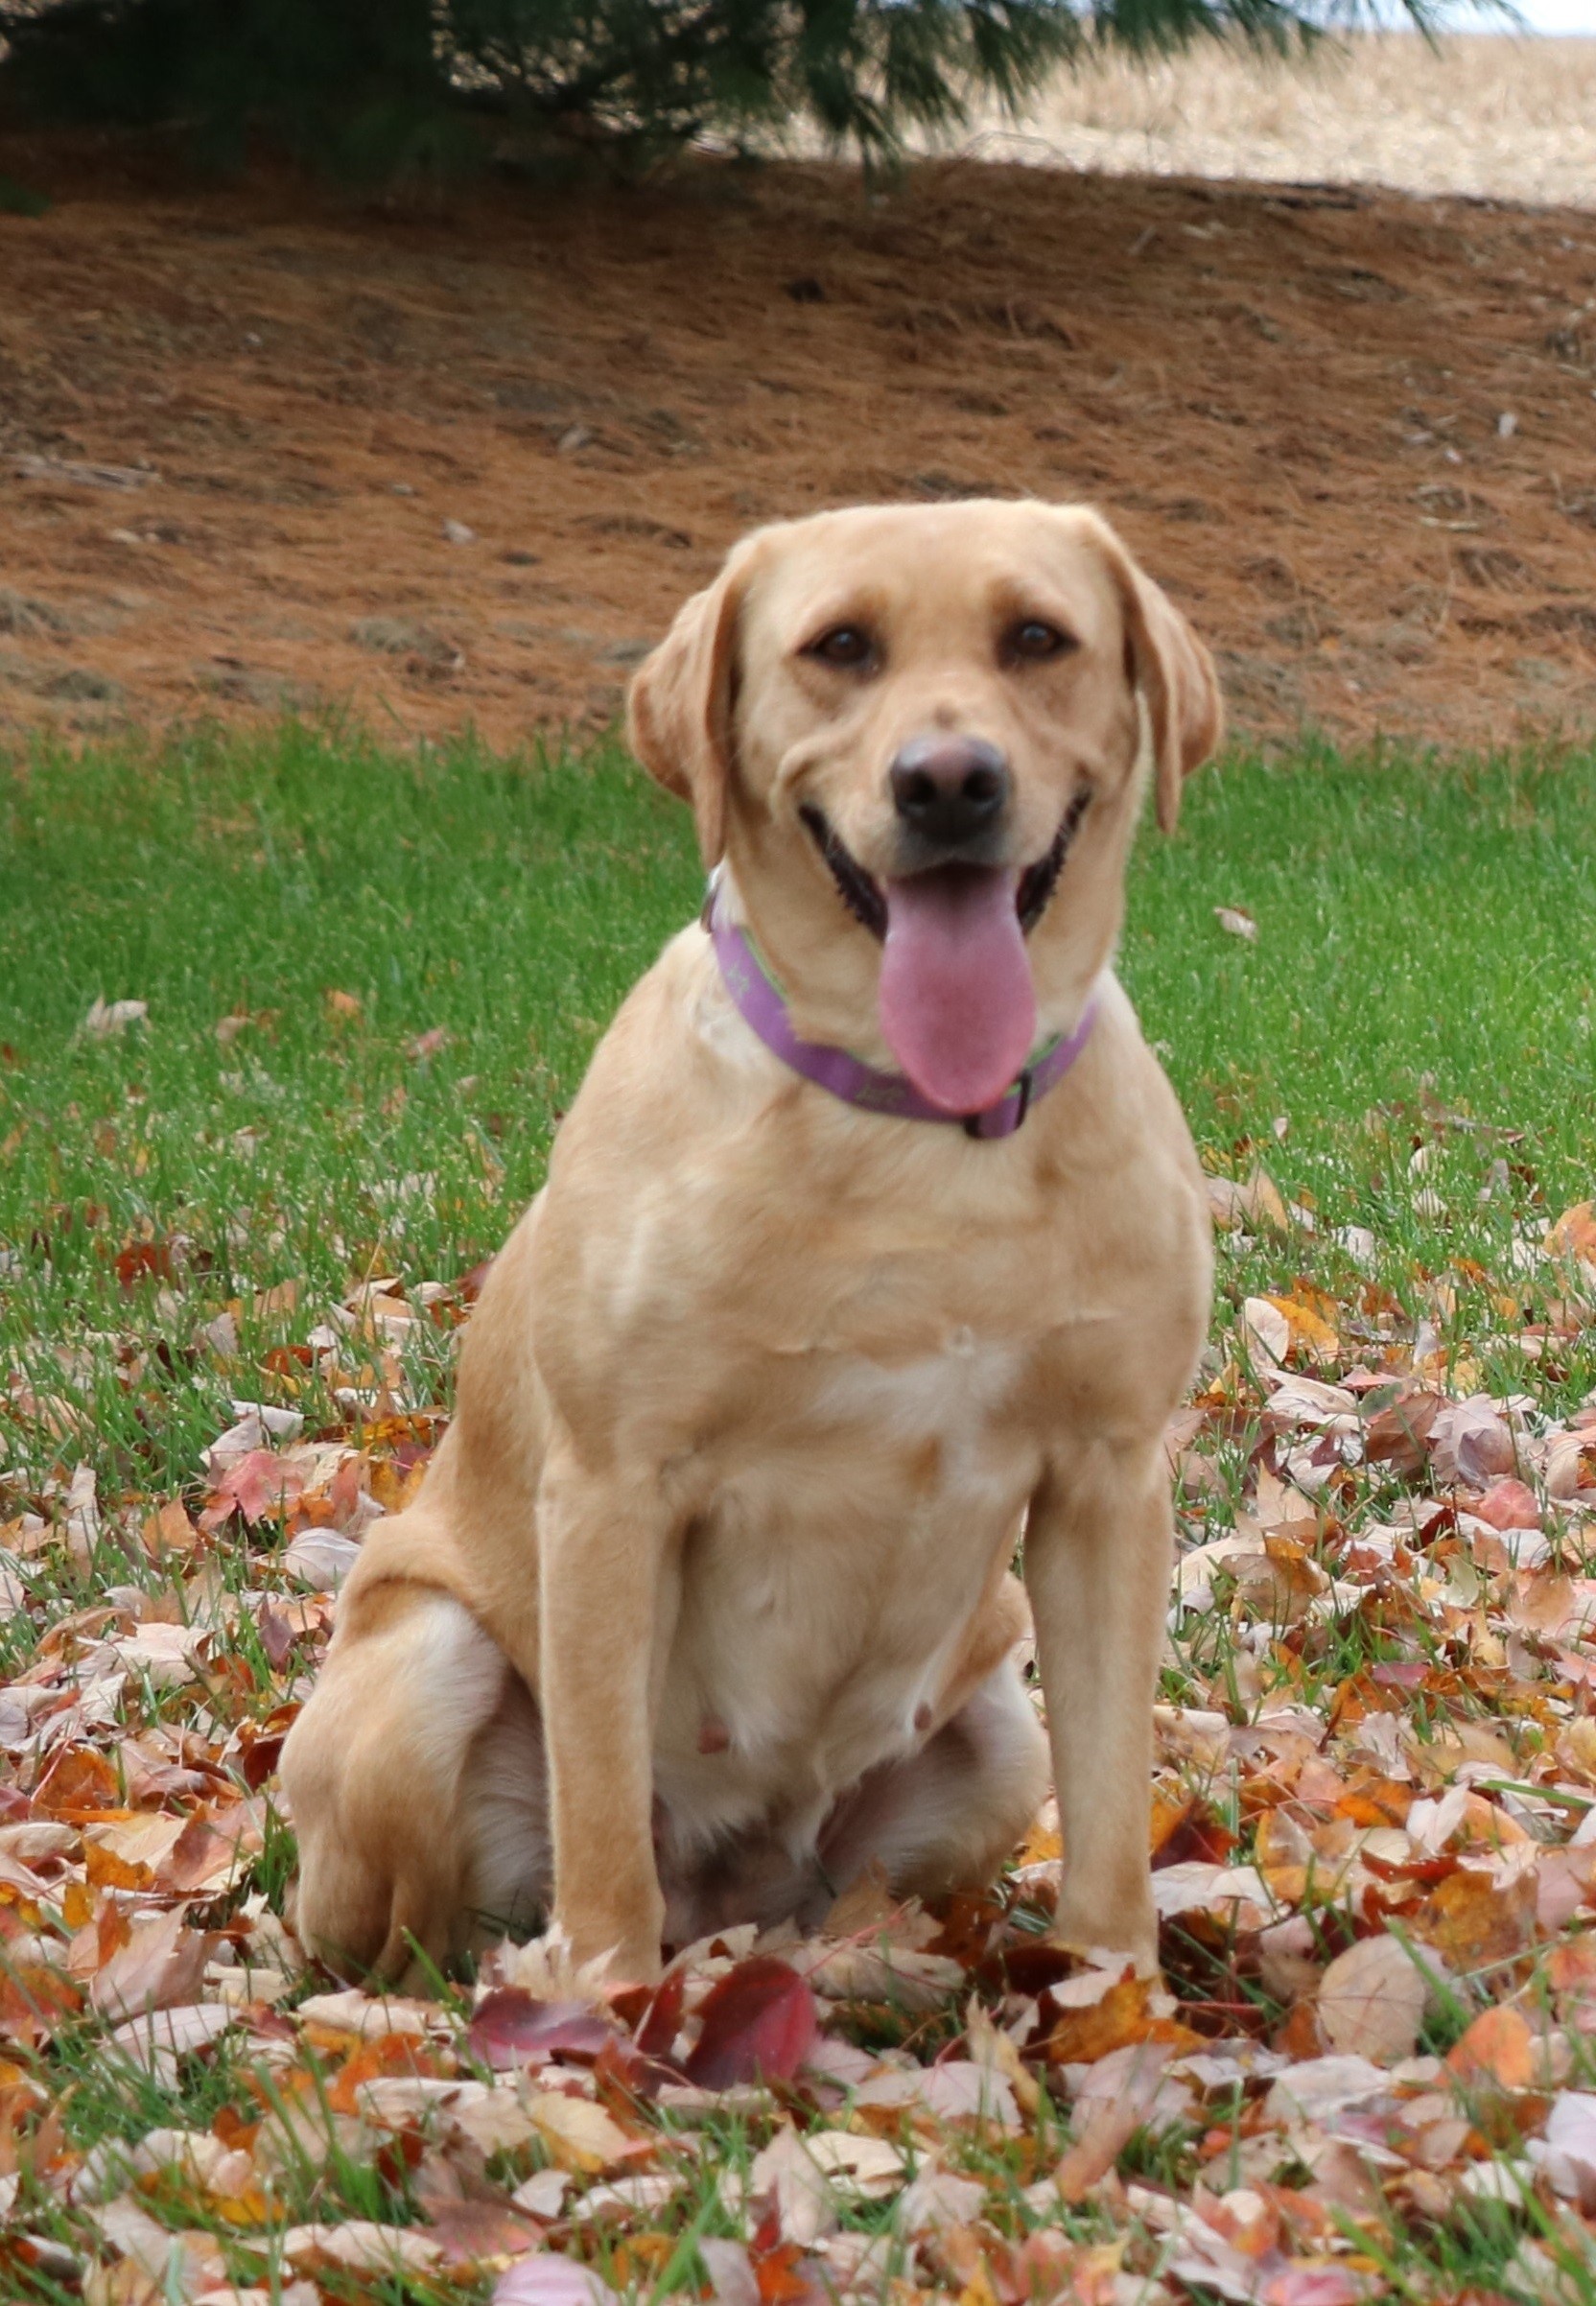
pixel 1354 433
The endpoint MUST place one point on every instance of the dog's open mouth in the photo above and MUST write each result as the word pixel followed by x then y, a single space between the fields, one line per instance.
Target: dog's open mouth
pixel 861 893
pixel 955 1000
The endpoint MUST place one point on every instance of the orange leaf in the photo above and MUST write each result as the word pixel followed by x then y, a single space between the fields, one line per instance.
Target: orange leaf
pixel 1574 1234
pixel 82 1779
pixel 386 2054
pixel 1469 1921
pixel 1081 2037
pixel 76 1905
pixel 1042 1844
pixel 32 2002
pixel 1498 2047
pixel 105 1870
pixel 1311 1333
pixel 778 2277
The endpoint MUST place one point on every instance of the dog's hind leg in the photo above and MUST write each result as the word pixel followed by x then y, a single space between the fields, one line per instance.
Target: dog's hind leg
pixel 396 1774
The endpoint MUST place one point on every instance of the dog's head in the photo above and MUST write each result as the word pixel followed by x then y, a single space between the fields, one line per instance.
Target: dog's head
pixel 918 734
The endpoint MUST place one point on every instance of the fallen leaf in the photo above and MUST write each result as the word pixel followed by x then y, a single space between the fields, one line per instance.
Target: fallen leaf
pixel 1566 2151
pixel 108 1016
pixel 513 2028
pixel 938 2197
pixel 1371 2001
pixel 162 1964
pixel 1471 1921
pixel 1573 1233
pixel 362 2245
pixel 759 2022
pixel 1498 2047
pixel 1317 2283
pixel 733 2281
pixel 860 2165
pixel 168 1530
pixel 788 2175
pixel 1316 2089
pixel 469 2232
pixel 1109 2129
pixel 368 2016
pixel 580 2135
pixel 1508 1505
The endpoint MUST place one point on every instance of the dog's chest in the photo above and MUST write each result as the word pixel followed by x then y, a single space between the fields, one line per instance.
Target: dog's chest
pixel 828 1587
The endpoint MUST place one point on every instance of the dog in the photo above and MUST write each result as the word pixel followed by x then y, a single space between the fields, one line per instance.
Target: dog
pixel 872 1251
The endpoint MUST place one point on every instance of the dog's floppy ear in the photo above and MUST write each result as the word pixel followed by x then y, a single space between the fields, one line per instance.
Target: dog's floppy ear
pixel 679 712
pixel 1173 669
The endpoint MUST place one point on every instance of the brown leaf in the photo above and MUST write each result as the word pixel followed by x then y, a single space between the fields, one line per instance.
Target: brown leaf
pixel 206 1849
pixel 168 1531
pixel 867 1903
pixel 161 1966
pixel 1398 1432
pixel 1109 2128
pixel 471 2231
pixel 1372 2001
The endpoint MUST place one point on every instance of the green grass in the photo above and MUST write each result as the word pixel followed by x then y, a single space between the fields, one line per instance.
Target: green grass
pixel 1427 945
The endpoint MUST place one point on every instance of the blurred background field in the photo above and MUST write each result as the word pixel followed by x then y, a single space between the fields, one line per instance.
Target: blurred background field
pixel 1491 115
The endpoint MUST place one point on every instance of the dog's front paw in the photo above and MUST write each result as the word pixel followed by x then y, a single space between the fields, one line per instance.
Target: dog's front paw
pixel 1102 1937
pixel 623 1948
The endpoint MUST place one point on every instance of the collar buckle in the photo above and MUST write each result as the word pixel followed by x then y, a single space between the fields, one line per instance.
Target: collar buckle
pixel 1021 1091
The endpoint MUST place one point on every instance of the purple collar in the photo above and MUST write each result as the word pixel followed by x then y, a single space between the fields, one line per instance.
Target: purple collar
pixel 759 1002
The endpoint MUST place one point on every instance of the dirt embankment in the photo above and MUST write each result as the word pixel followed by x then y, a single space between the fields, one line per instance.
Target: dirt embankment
pixel 459 466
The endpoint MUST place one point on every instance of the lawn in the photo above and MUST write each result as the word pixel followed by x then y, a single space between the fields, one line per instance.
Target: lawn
pixel 370 982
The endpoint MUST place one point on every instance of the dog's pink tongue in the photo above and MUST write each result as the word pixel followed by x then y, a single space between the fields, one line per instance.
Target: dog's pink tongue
pixel 957 1002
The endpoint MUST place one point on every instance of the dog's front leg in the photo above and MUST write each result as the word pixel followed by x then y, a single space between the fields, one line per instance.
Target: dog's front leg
pixel 602 1547
pixel 1098 1555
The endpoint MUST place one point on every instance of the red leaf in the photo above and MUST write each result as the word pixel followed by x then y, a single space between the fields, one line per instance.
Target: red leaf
pixel 1508 1505
pixel 511 2027
pixel 662 2017
pixel 760 2020
pixel 257 1484
pixel 143 1260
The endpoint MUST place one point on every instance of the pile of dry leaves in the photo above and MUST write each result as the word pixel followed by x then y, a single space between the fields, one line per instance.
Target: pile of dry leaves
pixel 1365 2072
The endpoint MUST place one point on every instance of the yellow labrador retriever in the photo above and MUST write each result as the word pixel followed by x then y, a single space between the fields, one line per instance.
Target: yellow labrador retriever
pixel 873 1246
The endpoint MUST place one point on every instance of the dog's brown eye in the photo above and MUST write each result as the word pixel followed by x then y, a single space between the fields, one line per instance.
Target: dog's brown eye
pixel 1033 641
pixel 847 646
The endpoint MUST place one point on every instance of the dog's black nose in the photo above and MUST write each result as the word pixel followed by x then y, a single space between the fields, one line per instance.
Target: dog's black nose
pixel 950 789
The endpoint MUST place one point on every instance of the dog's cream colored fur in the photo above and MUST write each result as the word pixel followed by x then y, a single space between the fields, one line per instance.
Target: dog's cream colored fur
pixel 705 1601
